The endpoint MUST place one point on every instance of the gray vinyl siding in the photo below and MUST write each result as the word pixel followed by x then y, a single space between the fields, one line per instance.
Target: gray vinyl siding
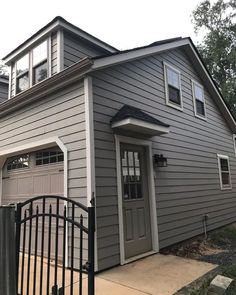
pixel 76 49
pixel 60 114
pixel 3 92
pixel 54 52
pixel 189 187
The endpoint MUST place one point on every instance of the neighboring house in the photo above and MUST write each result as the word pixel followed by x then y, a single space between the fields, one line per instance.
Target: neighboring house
pixel 4 85
pixel 85 118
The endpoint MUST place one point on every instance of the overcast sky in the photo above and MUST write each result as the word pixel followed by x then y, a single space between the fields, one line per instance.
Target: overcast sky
pixel 121 23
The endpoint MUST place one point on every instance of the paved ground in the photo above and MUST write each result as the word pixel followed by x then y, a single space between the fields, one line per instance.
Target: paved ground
pixel 155 275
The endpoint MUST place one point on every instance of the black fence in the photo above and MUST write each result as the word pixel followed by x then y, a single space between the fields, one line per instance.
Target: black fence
pixel 54 247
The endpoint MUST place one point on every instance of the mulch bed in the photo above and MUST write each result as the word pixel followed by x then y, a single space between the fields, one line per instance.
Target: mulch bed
pixel 218 248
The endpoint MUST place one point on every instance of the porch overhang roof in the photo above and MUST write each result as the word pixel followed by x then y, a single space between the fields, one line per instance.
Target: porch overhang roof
pixel 131 119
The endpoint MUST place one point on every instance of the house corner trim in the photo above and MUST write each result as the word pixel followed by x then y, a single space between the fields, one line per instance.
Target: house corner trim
pixel 90 151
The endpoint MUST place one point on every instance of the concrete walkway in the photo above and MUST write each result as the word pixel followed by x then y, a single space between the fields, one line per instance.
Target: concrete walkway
pixel 156 275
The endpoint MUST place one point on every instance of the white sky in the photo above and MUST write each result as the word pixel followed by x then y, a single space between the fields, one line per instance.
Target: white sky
pixel 121 23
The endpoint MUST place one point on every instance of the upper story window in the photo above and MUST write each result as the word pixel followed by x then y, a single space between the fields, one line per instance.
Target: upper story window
pixel 40 63
pixel 173 87
pixel 22 73
pixel 224 172
pixel 32 67
pixel 199 100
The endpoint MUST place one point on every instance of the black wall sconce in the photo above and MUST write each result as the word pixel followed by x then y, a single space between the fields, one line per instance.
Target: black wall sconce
pixel 160 161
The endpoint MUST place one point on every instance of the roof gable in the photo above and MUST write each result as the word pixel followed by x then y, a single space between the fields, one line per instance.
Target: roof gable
pixel 55 24
pixel 189 48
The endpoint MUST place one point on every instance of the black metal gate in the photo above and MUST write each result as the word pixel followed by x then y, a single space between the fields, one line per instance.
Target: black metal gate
pixel 55 246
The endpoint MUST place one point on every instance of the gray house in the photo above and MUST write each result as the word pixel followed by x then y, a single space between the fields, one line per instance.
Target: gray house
pixel 145 130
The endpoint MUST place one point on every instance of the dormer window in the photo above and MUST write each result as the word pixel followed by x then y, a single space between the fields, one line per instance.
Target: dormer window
pixel 32 68
pixel 22 73
pixel 40 63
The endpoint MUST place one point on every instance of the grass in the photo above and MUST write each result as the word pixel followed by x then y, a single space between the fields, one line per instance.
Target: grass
pixel 223 236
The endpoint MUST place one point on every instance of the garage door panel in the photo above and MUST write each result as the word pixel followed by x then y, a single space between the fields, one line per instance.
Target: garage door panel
pixel 9 187
pixel 56 184
pixel 41 184
pixel 24 185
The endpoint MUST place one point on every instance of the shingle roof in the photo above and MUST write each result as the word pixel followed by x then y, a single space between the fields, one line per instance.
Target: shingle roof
pixel 131 112
pixel 156 43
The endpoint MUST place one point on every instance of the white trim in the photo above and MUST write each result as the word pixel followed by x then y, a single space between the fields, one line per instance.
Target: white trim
pixel 60 50
pixel 31 66
pixel 135 54
pixel 153 214
pixel 139 123
pixel 90 151
pixel 49 53
pixel 10 83
pixel 4 153
pixel 168 102
pixel 14 69
pixel 228 187
pixel 193 82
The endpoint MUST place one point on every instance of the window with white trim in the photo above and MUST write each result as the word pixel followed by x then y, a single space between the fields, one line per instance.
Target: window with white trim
pixel 173 87
pixel 224 172
pixel 40 63
pixel 32 67
pixel 22 73
pixel 199 100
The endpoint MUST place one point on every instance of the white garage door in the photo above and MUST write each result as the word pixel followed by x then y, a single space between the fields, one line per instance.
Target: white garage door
pixel 33 174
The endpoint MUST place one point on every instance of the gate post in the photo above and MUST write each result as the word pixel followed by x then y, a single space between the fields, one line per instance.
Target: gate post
pixel 91 230
pixel 7 251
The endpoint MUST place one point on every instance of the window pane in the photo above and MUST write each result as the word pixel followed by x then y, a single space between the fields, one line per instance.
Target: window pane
pixel 18 162
pixel 198 92
pixel 40 72
pixel 126 191
pixel 136 159
pixel 174 95
pixel 124 160
pixel 22 65
pixel 139 191
pixel 131 159
pixel 22 83
pixel 200 107
pixel 40 53
pixel 173 78
pixel 49 157
pixel 225 178
pixel 224 165
pixel 132 191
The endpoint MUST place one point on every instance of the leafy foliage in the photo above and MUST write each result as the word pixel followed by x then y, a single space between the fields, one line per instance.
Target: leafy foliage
pixel 218 48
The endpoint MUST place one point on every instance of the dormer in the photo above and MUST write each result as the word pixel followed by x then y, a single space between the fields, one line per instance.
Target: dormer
pixel 53 48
